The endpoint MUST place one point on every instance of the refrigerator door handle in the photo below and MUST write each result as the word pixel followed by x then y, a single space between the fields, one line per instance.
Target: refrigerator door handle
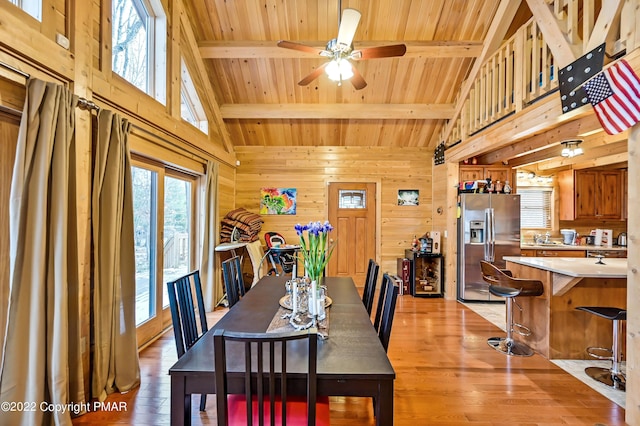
pixel 489 241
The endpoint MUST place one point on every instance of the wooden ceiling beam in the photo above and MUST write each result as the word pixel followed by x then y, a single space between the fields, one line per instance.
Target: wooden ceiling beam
pixel 595 151
pixel 563 51
pixel 269 49
pixel 527 151
pixel 338 111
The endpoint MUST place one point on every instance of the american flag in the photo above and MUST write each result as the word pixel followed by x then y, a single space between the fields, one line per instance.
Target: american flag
pixel 615 96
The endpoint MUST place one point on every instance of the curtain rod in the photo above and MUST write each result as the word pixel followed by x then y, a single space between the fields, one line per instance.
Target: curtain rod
pixel 83 103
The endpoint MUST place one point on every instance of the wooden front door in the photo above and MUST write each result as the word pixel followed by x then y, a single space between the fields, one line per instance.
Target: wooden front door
pixel 352 212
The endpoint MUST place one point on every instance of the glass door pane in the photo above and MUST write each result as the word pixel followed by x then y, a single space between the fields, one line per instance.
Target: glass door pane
pixel 177 231
pixel 144 222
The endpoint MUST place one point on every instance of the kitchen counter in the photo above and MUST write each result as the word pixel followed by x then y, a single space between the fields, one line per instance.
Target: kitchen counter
pixel 560 246
pixel 559 331
pixel 576 267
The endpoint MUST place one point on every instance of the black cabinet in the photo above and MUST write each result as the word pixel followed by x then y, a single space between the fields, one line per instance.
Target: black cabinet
pixel 426 273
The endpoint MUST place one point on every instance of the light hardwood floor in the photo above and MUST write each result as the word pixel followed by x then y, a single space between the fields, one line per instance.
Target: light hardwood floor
pixel 446 374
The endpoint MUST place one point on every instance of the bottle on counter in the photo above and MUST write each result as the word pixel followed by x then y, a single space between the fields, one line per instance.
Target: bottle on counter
pixel 507 187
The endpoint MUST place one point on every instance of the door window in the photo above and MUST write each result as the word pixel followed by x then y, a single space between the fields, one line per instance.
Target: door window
pixel 164 220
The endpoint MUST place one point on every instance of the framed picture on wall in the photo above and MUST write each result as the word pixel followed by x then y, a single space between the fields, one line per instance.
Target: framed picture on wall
pixel 278 200
pixel 408 197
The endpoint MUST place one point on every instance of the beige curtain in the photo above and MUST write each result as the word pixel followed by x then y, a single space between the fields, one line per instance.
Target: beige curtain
pixel 115 362
pixel 212 293
pixel 42 363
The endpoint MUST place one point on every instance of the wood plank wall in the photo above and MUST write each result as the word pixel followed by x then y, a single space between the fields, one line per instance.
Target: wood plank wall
pixel 309 169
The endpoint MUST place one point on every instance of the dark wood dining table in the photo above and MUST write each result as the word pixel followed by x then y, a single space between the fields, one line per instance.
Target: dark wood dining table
pixel 351 362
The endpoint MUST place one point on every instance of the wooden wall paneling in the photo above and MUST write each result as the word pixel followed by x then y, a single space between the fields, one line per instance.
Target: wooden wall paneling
pixel 445 180
pixel 25 36
pixel 308 169
pixel 80 24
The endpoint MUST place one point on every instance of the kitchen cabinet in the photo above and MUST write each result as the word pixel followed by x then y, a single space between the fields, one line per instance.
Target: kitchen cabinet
pixel 496 173
pixel 560 253
pixel 625 194
pixel 471 173
pixel 552 253
pixel 590 194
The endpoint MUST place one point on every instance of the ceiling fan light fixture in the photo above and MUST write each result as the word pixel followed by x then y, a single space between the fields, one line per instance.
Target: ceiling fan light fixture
pixel 571 148
pixel 339 70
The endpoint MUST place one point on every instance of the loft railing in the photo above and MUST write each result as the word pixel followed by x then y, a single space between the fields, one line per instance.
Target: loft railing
pixel 523 69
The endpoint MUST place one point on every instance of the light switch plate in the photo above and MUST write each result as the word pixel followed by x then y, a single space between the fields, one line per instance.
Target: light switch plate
pixel 62 41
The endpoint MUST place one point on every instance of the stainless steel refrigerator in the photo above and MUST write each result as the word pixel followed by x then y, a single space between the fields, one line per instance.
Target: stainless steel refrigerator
pixel 488 229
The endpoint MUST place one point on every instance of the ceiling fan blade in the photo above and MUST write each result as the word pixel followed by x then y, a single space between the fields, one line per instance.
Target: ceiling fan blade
pixel 312 75
pixel 379 52
pixel 357 80
pixel 348 27
pixel 299 46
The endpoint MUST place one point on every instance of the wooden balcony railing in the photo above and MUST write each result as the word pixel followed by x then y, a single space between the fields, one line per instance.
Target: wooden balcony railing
pixel 523 69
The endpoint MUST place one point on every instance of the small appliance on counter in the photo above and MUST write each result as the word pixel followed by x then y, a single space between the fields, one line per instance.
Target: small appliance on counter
pixel 622 239
pixel 603 237
pixel 568 236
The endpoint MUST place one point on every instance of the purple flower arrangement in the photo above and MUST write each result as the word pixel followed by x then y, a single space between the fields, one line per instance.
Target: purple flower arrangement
pixel 316 247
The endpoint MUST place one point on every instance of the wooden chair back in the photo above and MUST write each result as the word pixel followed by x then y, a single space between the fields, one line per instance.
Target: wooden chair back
pixel 233 281
pixel 370 285
pixel 185 294
pixel 388 311
pixel 186 329
pixel 266 396
pixel 379 306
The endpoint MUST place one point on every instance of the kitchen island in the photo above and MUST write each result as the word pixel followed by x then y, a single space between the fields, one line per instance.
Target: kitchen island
pixel 558 330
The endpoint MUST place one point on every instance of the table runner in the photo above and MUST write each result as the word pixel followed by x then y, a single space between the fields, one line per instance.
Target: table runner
pixel 279 324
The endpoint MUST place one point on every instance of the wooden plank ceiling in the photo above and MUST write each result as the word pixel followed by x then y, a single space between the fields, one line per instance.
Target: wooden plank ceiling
pixel 406 102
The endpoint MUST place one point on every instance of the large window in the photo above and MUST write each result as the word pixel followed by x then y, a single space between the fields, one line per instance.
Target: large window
pixel 32 7
pixel 535 207
pixel 191 108
pixel 164 222
pixel 139 45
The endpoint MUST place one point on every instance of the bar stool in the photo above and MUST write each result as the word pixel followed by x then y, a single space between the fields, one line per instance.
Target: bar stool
pixel 502 284
pixel 609 376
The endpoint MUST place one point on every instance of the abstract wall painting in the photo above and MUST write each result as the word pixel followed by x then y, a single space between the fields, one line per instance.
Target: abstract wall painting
pixel 278 200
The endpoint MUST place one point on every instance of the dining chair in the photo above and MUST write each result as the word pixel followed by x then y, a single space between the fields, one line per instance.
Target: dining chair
pixel 266 359
pixel 380 305
pixel 186 329
pixel 370 285
pixel 233 281
pixel 388 311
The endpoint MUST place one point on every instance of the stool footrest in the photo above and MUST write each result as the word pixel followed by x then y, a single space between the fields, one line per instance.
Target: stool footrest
pixel 521 329
pixel 592 351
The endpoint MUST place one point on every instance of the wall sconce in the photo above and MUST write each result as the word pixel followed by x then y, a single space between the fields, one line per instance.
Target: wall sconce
pixel 571 148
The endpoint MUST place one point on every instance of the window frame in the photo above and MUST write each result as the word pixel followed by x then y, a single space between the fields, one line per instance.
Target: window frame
pixel 155 21
pixel 152 327
pixel 31 7
pixel 548 191
pixel 189 97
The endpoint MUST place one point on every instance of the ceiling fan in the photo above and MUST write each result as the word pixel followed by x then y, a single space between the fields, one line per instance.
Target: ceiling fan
pixel 340 51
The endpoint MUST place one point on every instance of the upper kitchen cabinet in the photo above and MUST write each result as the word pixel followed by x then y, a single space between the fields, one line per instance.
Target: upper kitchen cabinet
pixel 475 172
pixel 591 194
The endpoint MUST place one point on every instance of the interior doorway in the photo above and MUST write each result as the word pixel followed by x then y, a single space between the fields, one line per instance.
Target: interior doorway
pixel 352 212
